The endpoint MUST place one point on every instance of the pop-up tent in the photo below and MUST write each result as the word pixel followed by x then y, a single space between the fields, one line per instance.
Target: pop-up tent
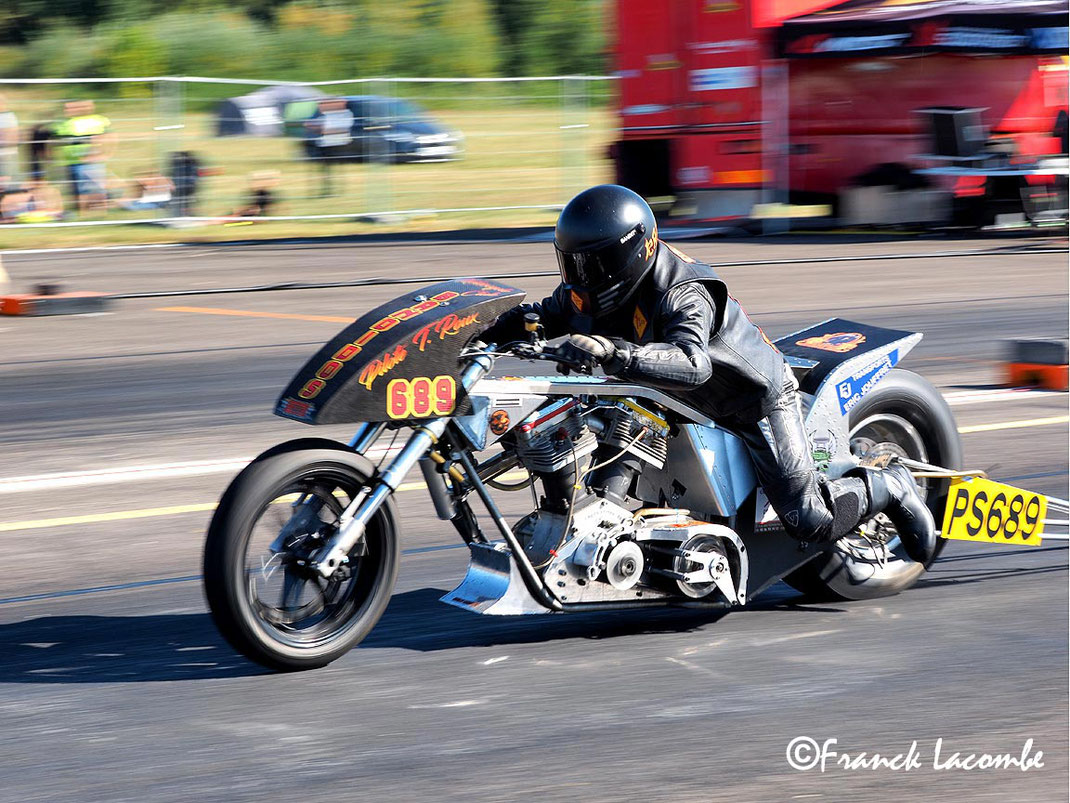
pixel 260 113
pixel 879 27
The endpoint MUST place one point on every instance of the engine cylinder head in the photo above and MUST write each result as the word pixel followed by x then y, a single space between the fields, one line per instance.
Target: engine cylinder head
pixel 552 445
pixel 624 421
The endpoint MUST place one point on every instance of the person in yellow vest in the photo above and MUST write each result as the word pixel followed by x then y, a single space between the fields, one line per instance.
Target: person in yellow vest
pixel 82 143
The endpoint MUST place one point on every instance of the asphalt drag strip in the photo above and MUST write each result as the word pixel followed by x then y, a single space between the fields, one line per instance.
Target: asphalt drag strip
pixel 114 685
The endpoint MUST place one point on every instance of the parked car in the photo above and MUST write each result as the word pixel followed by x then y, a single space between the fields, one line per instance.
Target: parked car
pixel 395 130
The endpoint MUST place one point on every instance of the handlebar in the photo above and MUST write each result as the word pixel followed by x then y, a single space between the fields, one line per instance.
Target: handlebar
pixel 538 349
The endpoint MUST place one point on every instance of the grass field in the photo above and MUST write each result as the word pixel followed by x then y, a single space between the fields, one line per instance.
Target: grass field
pixel 516 154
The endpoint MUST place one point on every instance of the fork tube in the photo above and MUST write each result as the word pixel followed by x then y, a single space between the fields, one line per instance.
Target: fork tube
pixel 365 436
pixel 359 512
pixel 355 517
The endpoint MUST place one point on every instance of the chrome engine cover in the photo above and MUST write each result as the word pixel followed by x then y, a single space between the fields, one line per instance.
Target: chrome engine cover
pixel 578 570
pixel 574 574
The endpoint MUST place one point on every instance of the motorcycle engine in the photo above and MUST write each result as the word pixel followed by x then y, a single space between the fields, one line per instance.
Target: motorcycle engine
pixel 553 448
pixel 631 437
pixel 585 540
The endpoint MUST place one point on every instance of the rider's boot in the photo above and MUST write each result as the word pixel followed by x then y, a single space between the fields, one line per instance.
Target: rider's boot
pixel 893 492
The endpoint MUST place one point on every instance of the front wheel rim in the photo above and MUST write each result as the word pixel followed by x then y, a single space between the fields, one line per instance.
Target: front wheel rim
pixel 289 602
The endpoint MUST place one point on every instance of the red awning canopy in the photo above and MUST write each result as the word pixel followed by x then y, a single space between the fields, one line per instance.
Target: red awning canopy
pixel 913 26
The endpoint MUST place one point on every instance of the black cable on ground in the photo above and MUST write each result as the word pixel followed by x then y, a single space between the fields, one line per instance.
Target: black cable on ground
pixel 378 280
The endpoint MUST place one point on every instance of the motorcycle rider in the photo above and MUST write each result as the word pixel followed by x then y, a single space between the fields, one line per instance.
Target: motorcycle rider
pixel 649 314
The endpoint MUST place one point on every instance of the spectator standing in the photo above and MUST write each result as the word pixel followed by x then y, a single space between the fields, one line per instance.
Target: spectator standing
pixel 40 134
pixel 333 126
pixel 185 174
pixel 9 146
pixel 82 146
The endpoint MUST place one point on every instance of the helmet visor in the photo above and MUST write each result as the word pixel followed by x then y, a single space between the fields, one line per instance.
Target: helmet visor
pixel 595 268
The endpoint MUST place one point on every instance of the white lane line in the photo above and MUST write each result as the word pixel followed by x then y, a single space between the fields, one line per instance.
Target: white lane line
pixel 1000 395
pixel 693 667
pixel 14 252
pixel 793 637
pixel 104 476
pixel 458 704
pixel 198 468
pixel 1029 422
pixel 124 474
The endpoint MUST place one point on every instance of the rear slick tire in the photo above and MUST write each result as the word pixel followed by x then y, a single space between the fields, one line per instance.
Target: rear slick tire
pixel 242 618
pixel 904 414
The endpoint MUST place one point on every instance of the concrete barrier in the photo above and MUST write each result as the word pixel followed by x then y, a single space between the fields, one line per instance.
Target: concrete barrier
pixel 1039 362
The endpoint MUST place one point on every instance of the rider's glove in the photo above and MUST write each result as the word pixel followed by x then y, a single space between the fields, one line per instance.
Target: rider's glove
pixel 586 351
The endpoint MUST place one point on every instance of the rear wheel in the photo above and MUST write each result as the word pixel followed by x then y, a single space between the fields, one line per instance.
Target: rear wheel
pixel 266 600
pixel 904 416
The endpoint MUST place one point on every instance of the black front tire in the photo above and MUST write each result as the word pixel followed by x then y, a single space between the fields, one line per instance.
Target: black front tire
pixel 227 582
pixel 906 403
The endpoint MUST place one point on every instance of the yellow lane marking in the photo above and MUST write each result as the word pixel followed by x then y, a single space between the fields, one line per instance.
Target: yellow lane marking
pixel 96 518
pixel 153 512
pixel 1029 422
pixel 252 314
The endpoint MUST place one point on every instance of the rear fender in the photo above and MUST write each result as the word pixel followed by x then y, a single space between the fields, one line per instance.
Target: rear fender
pixel 851 359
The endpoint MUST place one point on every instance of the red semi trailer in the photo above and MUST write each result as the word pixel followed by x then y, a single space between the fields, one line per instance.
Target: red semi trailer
pixel 728 103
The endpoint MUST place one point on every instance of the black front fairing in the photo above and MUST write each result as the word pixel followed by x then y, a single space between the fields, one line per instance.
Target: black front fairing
pixel 401 360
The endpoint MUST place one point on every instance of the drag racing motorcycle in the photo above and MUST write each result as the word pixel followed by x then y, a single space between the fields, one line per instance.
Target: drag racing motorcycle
pixel 634 498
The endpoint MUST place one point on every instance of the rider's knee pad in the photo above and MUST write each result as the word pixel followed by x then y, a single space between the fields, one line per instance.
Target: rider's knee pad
pixel 847 500
pixel 802 508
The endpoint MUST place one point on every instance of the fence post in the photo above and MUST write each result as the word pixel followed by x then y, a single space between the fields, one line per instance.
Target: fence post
pixel 574 125
pixel 377 148
pixel 169 127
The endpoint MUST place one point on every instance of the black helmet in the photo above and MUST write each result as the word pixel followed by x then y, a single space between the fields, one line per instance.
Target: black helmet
pixel 606 240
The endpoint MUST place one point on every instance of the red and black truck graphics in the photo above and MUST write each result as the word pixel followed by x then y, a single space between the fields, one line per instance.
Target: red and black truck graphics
pixel 739 102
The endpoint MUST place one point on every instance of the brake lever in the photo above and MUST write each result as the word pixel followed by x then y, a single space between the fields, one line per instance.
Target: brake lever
pixel 563 366
pixel 538 350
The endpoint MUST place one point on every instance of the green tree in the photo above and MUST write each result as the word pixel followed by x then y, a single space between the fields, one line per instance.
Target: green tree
pixel 564 37
pixel 302 39
pixel 134 51
pixel 466 40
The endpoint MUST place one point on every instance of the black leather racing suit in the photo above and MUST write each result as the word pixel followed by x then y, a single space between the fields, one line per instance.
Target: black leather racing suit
pixel 682 332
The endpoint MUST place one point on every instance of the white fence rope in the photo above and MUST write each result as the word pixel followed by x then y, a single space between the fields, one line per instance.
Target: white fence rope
pixel 266 218
pixel 194 79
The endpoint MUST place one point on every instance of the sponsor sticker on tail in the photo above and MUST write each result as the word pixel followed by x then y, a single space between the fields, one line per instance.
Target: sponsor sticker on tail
pixel 851 390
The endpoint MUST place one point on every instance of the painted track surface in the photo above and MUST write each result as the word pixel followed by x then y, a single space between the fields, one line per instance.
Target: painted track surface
pixel 128 693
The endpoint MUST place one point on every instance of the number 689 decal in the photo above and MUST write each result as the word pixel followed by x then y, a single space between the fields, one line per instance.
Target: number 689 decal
pixel 421 397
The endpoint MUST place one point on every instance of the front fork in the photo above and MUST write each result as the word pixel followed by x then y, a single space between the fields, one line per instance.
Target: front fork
pixel 355 518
